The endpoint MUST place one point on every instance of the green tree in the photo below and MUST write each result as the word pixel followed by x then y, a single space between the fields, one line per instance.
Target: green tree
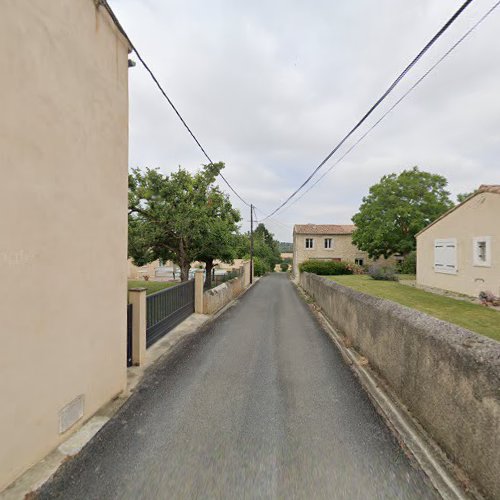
pixel 265 249
pixel 463 196
pixel 218 237
pixel 173 217
pixel 396 209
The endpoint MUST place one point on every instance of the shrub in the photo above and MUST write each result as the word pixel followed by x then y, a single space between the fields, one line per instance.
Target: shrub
pixel 378 272
pixel 356 268
pixel 409 264
pixel 325 267
pixel 284 267
pixel 260 267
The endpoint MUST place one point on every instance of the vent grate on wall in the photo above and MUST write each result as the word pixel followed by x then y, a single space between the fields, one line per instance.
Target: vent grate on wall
pixel 71 413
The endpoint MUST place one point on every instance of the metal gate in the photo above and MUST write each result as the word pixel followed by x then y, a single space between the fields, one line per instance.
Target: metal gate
pixel 129 334
pixel 166 309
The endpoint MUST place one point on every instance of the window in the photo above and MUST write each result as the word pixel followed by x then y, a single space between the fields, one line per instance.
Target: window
pixel 481 251
pixel 328 243
pixel 445 256
pixel 309 242
pixel 359 262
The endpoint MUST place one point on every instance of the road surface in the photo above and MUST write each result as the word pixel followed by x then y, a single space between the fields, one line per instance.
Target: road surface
pixel 257 405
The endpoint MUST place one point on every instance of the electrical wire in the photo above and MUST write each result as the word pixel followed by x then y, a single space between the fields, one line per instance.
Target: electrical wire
pixel 273 219
pixel 105 4
pixel 429 44
pixel 439 61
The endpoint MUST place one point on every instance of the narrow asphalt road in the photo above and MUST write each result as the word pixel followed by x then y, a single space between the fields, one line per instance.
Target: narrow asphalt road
pixel 257 405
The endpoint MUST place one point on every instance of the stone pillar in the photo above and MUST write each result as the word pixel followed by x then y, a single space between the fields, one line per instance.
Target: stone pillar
pixel 198 291
pixel 137 297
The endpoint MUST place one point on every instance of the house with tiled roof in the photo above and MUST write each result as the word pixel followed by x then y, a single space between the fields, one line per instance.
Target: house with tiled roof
pixel 325 242
pixel 460 251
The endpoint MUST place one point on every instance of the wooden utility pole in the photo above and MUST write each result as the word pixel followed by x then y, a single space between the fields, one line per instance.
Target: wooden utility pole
pixel 251 243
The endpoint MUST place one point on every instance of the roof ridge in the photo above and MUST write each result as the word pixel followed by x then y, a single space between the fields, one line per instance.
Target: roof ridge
pixel 311 228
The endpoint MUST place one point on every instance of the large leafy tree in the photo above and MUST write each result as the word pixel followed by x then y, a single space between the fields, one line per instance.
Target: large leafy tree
pixel 175 217
pixel 396 209
pixel 265 249
pixel 218 236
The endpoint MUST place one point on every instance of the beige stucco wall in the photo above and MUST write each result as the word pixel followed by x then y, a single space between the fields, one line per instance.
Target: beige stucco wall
pixel 137 273
pixel 480 216
pixel 63 233
pixel 342 248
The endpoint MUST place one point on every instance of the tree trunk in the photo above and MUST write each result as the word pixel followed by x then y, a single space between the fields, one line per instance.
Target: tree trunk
pixel 209 265
pixel 185 266
pixel 184 262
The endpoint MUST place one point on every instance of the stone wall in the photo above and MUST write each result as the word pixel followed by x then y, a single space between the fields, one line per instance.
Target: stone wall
pixel 216 298
pixel 448 377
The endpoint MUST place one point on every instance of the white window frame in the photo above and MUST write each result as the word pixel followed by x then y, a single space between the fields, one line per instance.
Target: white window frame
pixel 477 262
pixel 449 265
pixel 312 244
pixel 362 259
pixel 331 243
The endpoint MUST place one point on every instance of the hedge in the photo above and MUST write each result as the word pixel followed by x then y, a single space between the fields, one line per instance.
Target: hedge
pixel 325 267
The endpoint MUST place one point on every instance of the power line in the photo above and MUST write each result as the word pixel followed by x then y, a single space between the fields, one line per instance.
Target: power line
pixel 105 4
pixel 379 101
pixel 439 61
pixel 272 219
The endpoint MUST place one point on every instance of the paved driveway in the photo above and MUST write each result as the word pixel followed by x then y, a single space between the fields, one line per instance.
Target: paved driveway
pixel 257 405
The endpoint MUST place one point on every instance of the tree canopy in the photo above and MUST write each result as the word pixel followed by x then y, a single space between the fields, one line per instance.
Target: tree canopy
pixel 396 209
pixel 265 249
pixel 463 196
pixel 181 217
pixel 285 247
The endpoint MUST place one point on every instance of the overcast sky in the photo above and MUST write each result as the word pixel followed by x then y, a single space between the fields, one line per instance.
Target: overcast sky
pixel 270 87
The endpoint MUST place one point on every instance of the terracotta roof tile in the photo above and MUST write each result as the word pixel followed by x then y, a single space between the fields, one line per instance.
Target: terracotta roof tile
pixel 489 188
pixel 324 228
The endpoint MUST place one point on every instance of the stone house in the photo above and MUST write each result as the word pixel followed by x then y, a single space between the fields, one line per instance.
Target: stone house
pixel 325 242
pixel 460 251
pixel 64 151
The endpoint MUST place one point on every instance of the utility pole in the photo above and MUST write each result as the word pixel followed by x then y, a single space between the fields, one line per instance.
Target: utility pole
pixel 251 243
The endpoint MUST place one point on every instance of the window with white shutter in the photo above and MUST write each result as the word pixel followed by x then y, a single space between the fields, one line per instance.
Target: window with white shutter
pixel 445 256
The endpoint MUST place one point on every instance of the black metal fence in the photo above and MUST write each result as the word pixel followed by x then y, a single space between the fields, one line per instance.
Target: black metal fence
pixel 166 309
pixel 129 334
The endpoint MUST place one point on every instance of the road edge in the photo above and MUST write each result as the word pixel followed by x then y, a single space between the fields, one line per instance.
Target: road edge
pixel 444 476
pixel 27 485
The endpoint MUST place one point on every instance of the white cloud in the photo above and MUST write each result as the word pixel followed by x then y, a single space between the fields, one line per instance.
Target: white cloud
pixel 270 88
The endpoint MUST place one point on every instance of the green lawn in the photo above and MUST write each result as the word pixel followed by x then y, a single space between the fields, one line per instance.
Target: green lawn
pixel 406 277
pixel 471 316
pixel 150 286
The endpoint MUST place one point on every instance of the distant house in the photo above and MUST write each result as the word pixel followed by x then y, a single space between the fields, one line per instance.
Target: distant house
pixel 167 270
pixel 325 242
pixel 139 272
pixel 460 251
